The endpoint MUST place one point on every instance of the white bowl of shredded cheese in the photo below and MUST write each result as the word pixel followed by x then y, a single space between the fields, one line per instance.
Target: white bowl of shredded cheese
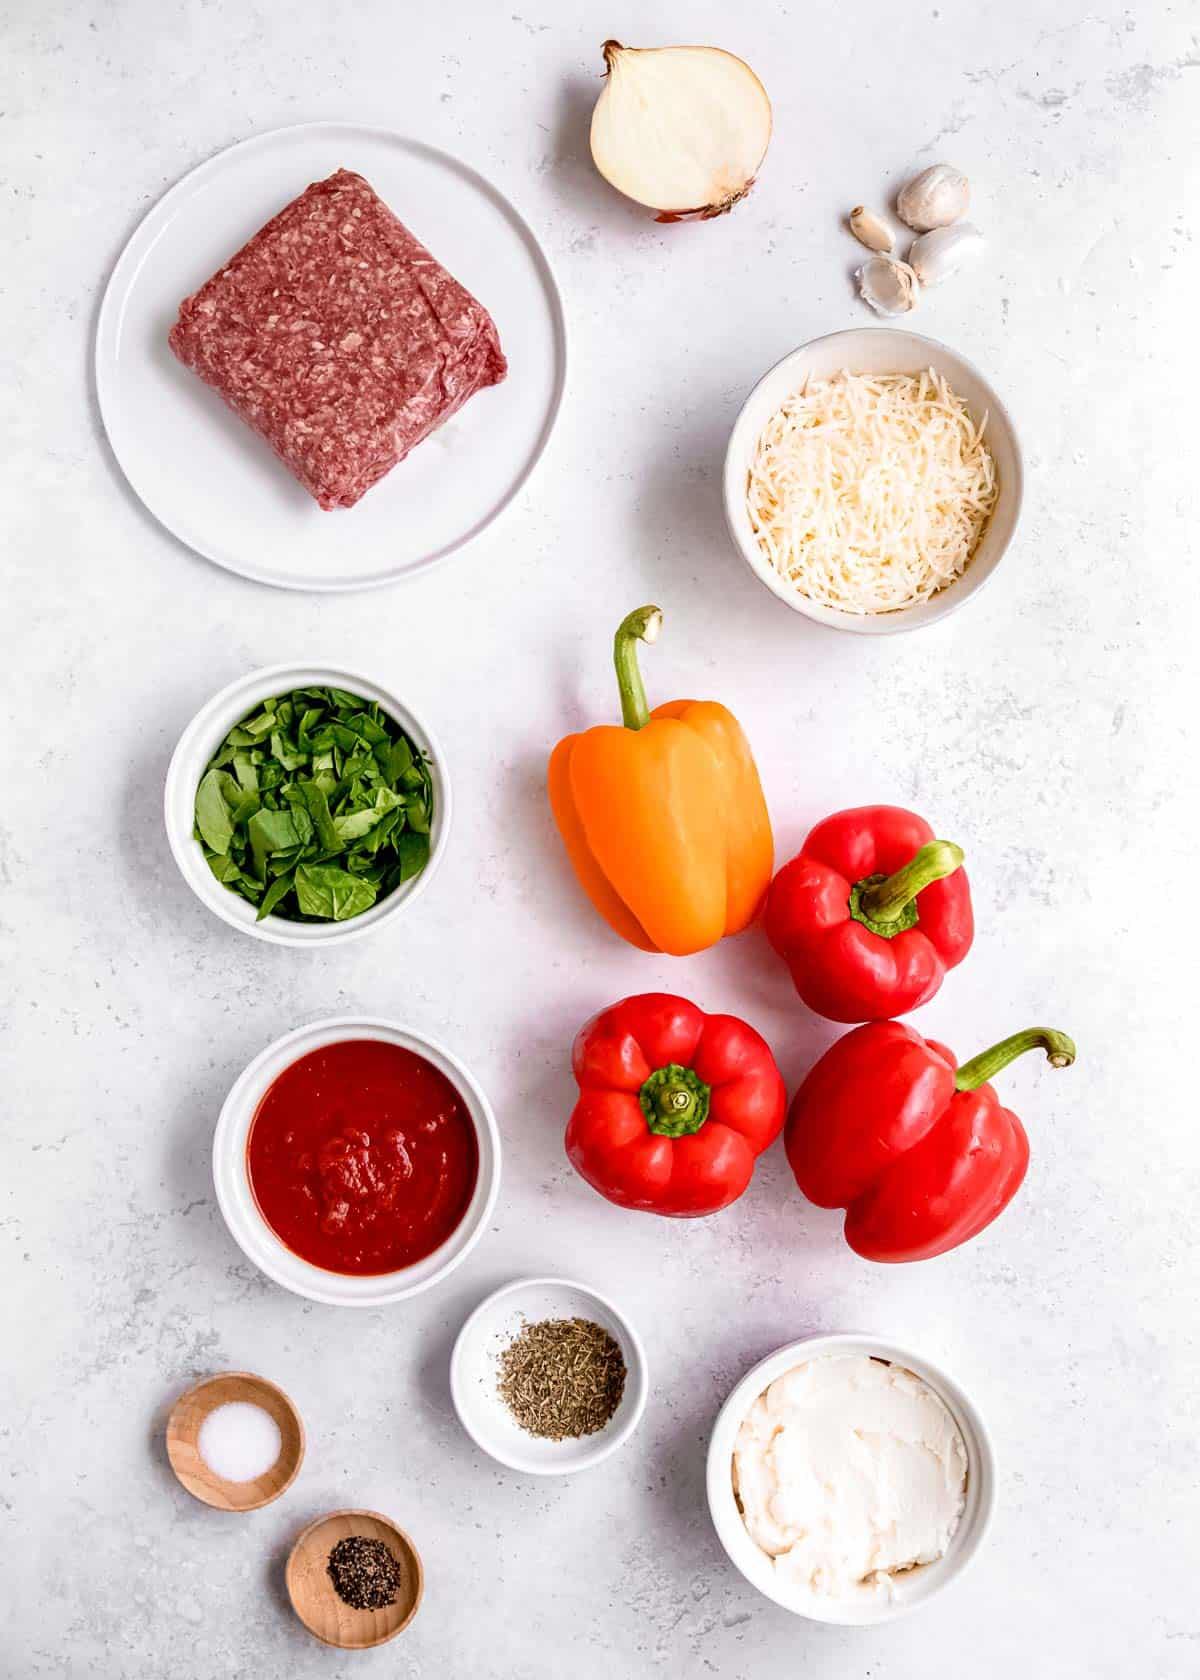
pixel 873 480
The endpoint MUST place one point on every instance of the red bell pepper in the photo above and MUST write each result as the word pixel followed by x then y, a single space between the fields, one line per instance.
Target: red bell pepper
pixel 921 1156
pixel 674 1107
pixel 871 914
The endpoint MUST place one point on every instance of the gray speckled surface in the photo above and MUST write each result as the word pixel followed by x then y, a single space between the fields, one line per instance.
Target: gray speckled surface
pixel 1049 728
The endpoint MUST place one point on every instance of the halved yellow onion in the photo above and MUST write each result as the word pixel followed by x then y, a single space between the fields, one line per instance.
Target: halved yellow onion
pixel 682 130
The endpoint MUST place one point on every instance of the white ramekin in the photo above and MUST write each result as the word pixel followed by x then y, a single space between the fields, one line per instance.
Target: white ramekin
pixel 876 350
pixel 916 1586
pixel 474 1371
pixel 204 735
pixel 255 1237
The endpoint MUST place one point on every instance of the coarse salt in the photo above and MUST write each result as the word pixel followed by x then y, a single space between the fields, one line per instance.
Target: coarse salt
pixel 239 1441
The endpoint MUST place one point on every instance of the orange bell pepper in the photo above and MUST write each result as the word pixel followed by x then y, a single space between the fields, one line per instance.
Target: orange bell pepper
pixel 663 817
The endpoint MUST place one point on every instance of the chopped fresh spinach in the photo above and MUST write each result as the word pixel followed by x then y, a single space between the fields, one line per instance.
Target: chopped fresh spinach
pixel 315 807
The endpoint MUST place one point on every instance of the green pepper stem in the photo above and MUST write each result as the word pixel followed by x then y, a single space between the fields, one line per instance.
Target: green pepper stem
pixel 642 625
pixel 675 1101
pixel 1060 1053
pixel 888 899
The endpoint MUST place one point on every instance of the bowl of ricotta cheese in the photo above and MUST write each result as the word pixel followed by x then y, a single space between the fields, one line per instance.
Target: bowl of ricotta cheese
pixel 849 1479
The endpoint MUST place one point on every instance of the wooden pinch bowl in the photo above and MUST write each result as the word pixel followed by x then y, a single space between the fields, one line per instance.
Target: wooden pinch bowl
pixel 314 1597
pixel 183 1431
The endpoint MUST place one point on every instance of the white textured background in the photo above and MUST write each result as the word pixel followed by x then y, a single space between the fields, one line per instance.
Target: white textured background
pixel 1049 728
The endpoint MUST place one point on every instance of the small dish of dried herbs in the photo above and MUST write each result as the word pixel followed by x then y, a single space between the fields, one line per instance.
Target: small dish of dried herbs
pixel 562 1378
pixel 313 802
pixel 548 1376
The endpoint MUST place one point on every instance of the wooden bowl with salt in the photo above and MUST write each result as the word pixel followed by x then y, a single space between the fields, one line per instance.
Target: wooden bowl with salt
pixel 315 1598
pixel 183 1441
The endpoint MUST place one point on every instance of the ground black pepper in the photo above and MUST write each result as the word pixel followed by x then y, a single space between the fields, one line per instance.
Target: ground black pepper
pixel 562 1378
pixel 365 1574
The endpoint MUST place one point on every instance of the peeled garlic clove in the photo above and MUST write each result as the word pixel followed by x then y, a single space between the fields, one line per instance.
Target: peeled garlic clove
pixel 681 129
pixel 870 230
pixel 938 196
pixel 890 287
pixel 942 250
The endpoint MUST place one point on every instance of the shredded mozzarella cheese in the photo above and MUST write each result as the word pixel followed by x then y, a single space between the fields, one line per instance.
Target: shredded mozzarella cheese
pixel 870 492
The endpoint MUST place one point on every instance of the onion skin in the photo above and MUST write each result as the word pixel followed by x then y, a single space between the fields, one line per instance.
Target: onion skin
pixel 749 137
pixel 709 210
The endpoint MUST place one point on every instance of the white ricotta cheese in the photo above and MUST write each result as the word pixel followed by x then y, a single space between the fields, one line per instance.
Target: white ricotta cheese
pixel 848 1472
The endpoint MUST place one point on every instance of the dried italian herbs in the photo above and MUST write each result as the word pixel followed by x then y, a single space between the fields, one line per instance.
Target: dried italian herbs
pixel 562 1378
pixel 364 1573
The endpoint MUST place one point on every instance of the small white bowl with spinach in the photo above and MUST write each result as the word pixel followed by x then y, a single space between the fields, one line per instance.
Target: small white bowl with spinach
pixel 305 805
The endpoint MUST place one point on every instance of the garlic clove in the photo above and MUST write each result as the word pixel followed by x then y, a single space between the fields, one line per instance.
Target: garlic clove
pixel 680 129
pixel 944 250
pixel 936 197
pixel 889 286
pixel 870 230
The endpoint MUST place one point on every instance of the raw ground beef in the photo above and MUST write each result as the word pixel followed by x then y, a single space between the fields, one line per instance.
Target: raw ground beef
pixel 337 336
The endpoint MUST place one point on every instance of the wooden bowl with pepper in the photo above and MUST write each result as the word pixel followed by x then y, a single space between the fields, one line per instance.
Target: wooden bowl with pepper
pixel 355 1579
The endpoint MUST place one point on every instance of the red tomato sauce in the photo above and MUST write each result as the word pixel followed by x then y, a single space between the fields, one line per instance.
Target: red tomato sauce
pixel 362 1157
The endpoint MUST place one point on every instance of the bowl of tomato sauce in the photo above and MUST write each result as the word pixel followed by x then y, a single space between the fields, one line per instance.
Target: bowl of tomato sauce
pixel 356 1162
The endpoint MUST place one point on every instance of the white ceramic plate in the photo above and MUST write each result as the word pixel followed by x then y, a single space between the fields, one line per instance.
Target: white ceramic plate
pixel 876 350
pixel 209 479
pixel 474 1371
pixel 255 1237
pixel 914 1587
